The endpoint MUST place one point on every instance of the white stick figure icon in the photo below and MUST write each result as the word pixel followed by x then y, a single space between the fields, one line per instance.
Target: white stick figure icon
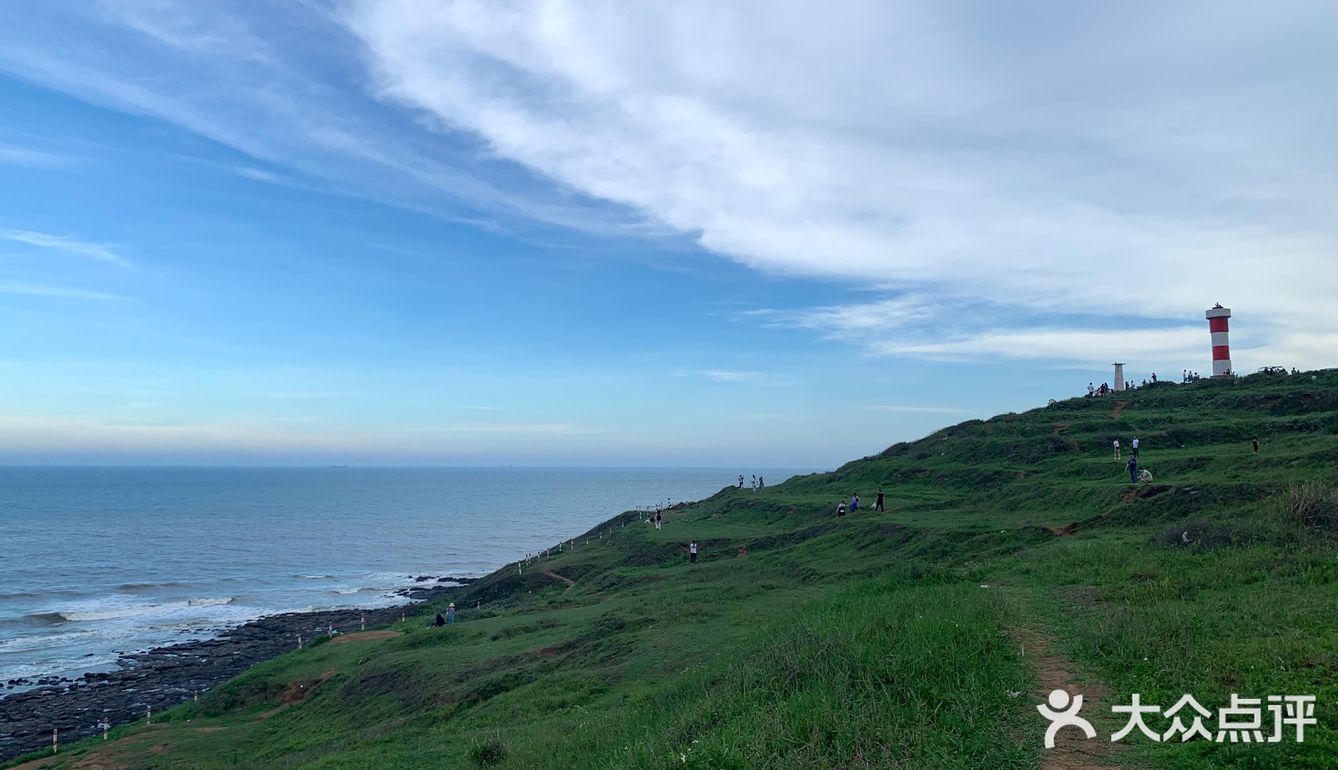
pixel 1063 712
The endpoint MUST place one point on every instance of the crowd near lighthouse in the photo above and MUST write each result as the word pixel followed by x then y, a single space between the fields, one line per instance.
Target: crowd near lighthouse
pixel 1217 326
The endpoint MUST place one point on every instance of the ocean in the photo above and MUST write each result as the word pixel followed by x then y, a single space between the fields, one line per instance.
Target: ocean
pixel 96 562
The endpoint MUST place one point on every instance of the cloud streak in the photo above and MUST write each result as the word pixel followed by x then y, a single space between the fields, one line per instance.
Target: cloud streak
pixel 70 245
pixel 43 290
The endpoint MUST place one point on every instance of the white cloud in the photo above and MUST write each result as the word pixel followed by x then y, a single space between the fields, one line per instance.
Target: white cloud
pixel 43 290
pixel 913 146
pixel 100 251
pixel 1099 347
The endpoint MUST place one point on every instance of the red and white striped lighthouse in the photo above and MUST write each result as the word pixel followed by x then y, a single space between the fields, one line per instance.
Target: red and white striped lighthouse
pixel 1217 326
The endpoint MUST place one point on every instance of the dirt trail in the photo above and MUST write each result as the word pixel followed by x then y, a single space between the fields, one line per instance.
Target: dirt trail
pixel 1072 751
pixel 556 576
pixel 363 636
pixel 1117 408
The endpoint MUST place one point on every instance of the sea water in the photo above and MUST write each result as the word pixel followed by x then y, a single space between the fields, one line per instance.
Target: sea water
pixel 95 562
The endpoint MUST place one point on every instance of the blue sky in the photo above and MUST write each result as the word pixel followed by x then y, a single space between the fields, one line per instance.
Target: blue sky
pixel 639 233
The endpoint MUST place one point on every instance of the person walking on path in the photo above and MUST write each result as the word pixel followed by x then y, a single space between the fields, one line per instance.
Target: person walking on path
pixel 878 501
pixel 761 483
pixel 657 518
pixel 450 614
pixel 1116 443
pixel 692 552
pixel 1135 447
pixel 1255 443
pixel 740 481
pixel 854 502
pixel 1132 466
pixel 841 508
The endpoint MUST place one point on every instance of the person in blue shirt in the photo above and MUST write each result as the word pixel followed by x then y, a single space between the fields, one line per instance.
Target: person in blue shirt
pixel 854 502
pixel 1133 470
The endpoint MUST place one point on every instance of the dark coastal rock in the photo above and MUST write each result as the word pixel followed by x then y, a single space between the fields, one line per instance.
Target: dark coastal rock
pixel 168 676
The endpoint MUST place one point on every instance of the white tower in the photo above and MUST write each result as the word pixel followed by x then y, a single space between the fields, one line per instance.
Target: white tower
pixel 1217 327
pixel 1119 376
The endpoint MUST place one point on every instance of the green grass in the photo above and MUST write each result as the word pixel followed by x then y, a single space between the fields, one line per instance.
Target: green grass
pixel 877 640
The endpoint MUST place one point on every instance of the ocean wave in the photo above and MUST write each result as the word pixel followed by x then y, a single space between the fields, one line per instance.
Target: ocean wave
pixel 211 602
pixel 108 611
pixel 36 619
pixel 314 577
pixel 142 587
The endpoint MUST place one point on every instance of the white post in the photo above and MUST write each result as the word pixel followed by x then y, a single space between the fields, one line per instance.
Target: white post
pixel 401 617
pixel 364 622
pixel 148 716
pixel 299 641
pixel 55 746
pixel 195 696
pixel 331 630
pixel 106 725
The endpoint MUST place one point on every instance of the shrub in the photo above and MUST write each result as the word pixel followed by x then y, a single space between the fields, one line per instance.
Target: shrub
pixel 487 752
pixel 1312 505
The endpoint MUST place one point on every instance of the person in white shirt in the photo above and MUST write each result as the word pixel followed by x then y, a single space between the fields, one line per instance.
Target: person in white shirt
pixel 1135 445
pixel 1117 448
pixel 692 552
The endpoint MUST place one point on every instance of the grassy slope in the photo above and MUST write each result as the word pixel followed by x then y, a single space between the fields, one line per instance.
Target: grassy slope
pixel 803 641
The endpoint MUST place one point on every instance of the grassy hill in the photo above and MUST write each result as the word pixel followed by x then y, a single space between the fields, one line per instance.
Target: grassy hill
pixel 1014 557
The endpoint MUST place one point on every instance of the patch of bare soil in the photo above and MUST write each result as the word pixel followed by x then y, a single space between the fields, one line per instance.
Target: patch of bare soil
pixel 1118 407
pixel 1073 750
pixel 365 636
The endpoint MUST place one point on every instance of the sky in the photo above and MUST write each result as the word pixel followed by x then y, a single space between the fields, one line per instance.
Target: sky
pixel 752 234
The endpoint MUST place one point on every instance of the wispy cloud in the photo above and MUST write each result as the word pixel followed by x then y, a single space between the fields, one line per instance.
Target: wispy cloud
pixel 12 155
pixel 855 319
pixel 555 428
pixel 258 174
pixel 307 395
pixel 731 375
pixel 42 290
pixel 1097 347
pixel 100 251
pixel 925 409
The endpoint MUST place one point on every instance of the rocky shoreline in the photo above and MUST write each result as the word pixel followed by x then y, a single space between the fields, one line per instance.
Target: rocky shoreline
pixel 169 676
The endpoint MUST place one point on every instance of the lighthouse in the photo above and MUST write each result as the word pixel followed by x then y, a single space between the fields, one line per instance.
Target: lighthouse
pixel 1217 327
pixel 1119 375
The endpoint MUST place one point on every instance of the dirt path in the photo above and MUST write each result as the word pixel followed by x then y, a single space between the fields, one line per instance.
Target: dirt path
pixel 364 636
pixel 1117 408
pixel 556 576
pixel 1072 750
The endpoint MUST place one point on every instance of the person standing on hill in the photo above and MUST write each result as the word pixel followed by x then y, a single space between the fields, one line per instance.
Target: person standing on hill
pixel 1132 467
pixel 841 508
pixel 1135 447
pixel 761 483
pixel 450 614
pixel 692 552
pixel 1255 443
pixel 657 518
pixel 1090 390
pixel 878 501
pixel 854 502
pixel 1116 443
pixel 740 481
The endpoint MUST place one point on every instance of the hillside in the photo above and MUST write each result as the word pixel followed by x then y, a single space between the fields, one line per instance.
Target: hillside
pixel 1014 557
